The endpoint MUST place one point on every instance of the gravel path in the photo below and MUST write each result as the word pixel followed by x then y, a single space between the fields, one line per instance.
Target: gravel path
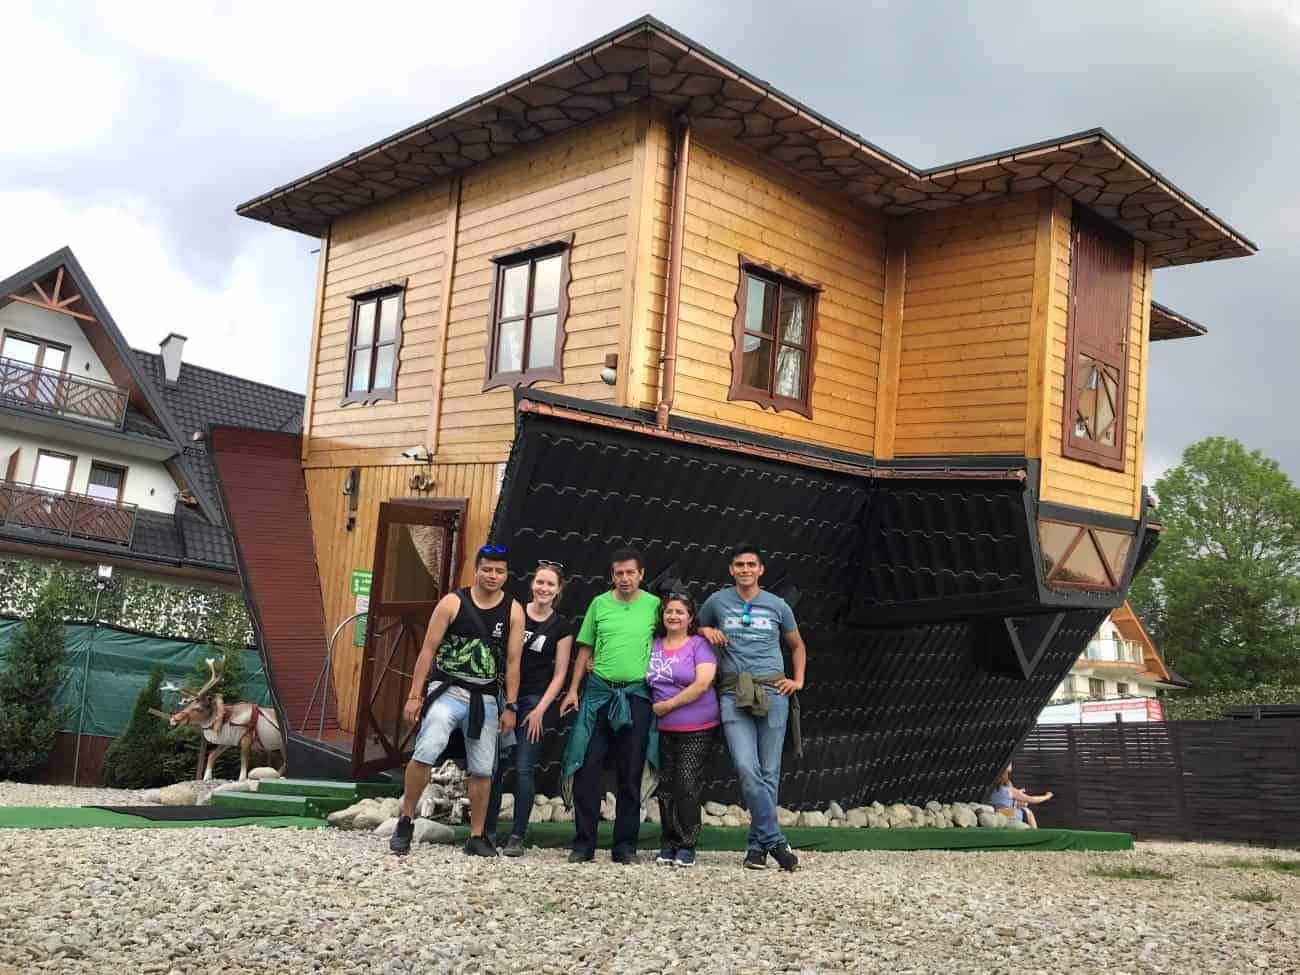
pixel 261 900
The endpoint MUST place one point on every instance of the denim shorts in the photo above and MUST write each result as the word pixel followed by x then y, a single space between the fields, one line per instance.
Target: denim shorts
pixel 445 715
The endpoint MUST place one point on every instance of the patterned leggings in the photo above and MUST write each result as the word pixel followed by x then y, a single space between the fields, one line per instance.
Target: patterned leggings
pixel 682 755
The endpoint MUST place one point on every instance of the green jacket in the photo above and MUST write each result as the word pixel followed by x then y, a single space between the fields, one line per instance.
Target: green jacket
pixel 597 694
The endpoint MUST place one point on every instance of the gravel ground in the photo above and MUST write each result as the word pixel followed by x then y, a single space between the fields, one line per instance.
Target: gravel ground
pixel 260 900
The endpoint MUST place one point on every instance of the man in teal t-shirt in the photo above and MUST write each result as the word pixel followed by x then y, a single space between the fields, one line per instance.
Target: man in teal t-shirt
pixel 615 714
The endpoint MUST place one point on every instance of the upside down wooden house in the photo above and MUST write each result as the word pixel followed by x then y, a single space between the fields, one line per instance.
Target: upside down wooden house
pixel 638 296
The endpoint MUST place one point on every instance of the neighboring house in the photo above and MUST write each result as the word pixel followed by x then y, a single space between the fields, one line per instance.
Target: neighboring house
pixel 1120 672
pixel 103 447
pixel 640 296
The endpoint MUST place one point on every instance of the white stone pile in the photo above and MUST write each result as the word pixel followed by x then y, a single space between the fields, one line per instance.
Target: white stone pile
pixel 199 792
pixel 878 815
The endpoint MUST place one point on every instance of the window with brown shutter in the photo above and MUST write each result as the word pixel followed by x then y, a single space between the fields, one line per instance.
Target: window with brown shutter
pixel 374 342
pixel 529 304
pixel 1101 273
pixel 775 339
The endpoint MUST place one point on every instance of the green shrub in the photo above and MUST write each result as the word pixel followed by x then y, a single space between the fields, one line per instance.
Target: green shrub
pixel 33 673
pixel 134 760
pixel 1256 895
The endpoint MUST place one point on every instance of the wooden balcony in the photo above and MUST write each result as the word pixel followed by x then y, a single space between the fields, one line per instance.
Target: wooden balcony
pixel 71 515
pixel 63 394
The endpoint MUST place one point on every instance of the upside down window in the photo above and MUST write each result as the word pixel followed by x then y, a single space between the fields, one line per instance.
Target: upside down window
pixel 1082 556
pixel 772 359
pixel 376 337
pixel 1101 272
pixel 529 306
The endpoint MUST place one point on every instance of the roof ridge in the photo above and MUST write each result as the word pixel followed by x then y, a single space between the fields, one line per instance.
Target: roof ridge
pixel 228 375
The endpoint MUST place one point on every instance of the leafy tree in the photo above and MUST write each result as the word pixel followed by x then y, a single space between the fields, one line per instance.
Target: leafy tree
pixel 134 760
pixel 34 671
pixel 1221 594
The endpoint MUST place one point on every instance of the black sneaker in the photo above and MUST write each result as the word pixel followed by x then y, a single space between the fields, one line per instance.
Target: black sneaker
pixel 400 841
pixel 784 856
pixel 514 847
pixel 755 860
pixel 628 857
pixel 480 846
pixel 581 856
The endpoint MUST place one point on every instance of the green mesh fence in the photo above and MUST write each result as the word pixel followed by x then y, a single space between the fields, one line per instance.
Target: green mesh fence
pixel 107 668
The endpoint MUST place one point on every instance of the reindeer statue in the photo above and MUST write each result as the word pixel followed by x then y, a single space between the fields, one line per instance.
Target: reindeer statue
pixel 223 725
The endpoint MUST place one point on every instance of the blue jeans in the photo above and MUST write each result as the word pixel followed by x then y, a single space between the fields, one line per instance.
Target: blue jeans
pixel 755 745
pixel 523 759
pixel 447 714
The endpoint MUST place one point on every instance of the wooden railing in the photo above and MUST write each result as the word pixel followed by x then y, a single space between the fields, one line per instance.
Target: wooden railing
pixel 31 387
pixel 73 515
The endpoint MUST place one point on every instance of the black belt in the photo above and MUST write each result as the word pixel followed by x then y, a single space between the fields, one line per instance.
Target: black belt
pixel 477 714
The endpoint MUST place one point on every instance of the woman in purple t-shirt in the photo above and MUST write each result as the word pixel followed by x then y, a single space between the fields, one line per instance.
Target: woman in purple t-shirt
pixel 680 675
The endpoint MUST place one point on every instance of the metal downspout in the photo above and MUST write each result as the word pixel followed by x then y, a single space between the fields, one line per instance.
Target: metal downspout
pixel 668 360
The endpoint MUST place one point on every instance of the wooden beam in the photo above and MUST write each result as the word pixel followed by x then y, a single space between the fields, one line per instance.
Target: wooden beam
pixel 1142 265
pixel 48 307
pixel 891 338
pixel 451 232
pixel 1036 393
pixel 634 272
pixel 58 287
pixel 313 356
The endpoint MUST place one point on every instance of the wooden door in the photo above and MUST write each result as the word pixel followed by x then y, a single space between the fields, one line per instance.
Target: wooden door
pixel 414 565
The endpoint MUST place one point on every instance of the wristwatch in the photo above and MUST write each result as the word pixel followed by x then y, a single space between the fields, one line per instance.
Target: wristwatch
pixel 512 706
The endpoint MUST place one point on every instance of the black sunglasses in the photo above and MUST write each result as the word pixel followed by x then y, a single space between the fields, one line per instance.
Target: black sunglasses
pixel 549 564
pixel 492 550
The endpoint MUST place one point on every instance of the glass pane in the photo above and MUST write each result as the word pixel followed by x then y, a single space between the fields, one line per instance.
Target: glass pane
pixel 360 372
pixel 1115 546
pixel 20 350
pixel 1084 566
pixel 514 291
pixel 384 362
pixel 760 302
pixel 108 477
pixel 55 359
pixel 388 318
pixel 1107 400
pixel 413 568
pixel 1053 539
pixel 1087 380
pixel 365 324
pixel 794 316
pixel 756 362
pixel 789 373
pixel 546 284
pixel 102 491
pixel 541 344
pixel 510 347
pixel 52 472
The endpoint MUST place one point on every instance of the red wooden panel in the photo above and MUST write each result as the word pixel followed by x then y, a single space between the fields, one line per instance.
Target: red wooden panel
pixel 265 497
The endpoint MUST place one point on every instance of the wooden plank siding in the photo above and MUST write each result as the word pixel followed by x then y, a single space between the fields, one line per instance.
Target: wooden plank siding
pixel 963 370
pixel 1069 481
pixel 339 551
pixel 736 204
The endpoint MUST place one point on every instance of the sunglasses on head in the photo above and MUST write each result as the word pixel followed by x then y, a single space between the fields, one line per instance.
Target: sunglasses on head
pixel 492 550
pixel 550 565
pixel 746 614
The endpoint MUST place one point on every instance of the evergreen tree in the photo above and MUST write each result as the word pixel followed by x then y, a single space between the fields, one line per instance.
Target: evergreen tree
pixel 29 683
pixel 135 759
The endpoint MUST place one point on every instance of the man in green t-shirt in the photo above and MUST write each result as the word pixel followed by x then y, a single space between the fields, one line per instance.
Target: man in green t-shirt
pixel 615 715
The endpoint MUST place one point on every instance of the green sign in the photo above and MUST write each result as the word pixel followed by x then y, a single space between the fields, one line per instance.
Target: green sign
pixel 361 589
pixel 359 631
pixel 361 582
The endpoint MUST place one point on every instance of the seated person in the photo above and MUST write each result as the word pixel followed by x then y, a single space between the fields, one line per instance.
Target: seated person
pixel 1010 801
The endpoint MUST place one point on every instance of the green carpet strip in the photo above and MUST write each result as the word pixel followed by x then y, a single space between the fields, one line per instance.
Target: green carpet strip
pixel 733 839
pixel 81 817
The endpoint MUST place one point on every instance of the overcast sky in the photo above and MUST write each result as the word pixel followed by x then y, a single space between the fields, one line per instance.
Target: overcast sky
pixel 132 131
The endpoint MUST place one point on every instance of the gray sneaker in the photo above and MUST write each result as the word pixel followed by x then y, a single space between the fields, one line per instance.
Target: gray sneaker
pixel 400 841
pixel 514 847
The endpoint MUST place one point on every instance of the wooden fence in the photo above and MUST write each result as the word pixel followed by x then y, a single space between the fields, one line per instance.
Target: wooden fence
pixel 1236 781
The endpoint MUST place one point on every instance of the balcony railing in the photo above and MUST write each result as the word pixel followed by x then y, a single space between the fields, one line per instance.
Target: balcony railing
pixel 1115 651
pixel 50 391
pixel 73 515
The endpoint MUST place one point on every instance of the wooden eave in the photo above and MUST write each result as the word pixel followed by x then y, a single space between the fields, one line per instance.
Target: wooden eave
pixel 1131 628
pixel 647 59
pixel 1169 324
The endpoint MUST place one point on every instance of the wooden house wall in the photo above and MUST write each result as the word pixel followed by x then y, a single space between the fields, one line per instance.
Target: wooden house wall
pixel 738 204
pixel 962 377
pixel 339 551
pixel 1073 482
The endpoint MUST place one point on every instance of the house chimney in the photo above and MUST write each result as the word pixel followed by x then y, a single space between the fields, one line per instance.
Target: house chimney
pixel 171 356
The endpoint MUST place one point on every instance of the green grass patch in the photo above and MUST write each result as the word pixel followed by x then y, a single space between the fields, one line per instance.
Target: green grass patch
pixel 1256 895
pixel 1130 873
pixel 1289 867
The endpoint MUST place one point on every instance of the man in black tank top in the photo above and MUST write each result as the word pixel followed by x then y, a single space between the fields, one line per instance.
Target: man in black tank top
pixel 475 636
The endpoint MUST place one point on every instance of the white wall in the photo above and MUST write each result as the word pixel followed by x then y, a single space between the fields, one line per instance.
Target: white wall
pixel 148 484
pixel 61 329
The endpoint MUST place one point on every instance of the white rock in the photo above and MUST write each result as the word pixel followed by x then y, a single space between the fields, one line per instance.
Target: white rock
pixel 557 801
pixel 708 820
pixel 730 820
pixel 180 794
pixel 857 818
pixel 786 817
pixel 993 821
pixel 427 831
pixel 507 802
pixel 840 824
pixel 264 772
pixel 715 809
pixel 607 811
pixel 652 813
pixel 542 814
pixel 878 809
pixel 540 800
pixel 738 811
pixel 368 819
pixel 386 827
pixel 963 816
pixel 835 811
pixel 391 806
pixel 877 821
pixel 150 796
pixel 561 815
pixel 1015 824
pixel 248 785
pixel 812 817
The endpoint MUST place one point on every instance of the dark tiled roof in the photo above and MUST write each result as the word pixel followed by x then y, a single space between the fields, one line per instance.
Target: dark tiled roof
pixel 139 424
pixel 202 398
